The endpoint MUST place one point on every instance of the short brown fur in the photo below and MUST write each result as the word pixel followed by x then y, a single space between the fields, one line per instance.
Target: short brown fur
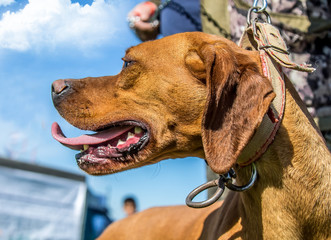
pixel 201 95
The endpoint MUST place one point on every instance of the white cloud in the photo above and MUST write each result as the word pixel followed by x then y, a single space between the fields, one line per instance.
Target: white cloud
pixel 48 24
pixel 6 2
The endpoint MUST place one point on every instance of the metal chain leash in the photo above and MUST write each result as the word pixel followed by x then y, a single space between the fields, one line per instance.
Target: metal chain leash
pixel 177 8
pixel 260 9
pixel 154 20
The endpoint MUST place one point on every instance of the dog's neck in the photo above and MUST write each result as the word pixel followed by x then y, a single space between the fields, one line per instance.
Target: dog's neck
pixel 291 181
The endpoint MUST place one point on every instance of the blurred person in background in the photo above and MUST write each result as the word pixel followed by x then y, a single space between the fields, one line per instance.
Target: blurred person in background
pixel 129 206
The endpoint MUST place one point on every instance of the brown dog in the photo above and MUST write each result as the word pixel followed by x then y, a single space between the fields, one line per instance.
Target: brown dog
pixel 199 95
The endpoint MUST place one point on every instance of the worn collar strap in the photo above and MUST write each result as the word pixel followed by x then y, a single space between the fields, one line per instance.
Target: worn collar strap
pixel 274 55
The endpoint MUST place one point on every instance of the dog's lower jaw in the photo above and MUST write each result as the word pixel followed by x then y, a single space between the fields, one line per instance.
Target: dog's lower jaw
pixel 110 166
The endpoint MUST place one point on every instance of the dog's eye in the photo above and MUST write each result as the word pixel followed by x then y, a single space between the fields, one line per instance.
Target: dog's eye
pixel 127 63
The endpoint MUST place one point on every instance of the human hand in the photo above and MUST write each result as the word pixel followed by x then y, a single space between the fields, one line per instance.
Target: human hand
pixel 140 15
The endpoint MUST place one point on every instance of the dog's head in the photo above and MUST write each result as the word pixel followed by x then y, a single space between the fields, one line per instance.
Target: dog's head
pixel 189 94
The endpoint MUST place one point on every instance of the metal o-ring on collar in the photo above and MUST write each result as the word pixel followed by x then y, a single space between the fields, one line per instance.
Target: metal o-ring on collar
pixel 210 201
pixel 243 188
pixel 225 180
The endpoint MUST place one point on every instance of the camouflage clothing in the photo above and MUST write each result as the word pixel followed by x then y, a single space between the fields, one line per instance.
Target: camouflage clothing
pixel 314 48
pixel 310 46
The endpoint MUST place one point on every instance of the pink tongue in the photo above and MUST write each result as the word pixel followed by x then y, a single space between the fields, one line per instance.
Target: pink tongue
pixel 88 139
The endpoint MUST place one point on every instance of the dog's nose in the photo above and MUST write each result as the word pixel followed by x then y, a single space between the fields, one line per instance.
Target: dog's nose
pixel 60 87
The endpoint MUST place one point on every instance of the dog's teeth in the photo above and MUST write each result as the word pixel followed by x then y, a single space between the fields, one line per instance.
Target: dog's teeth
pixel 130 135
pixel 120 142
pixel 85 147
pixel 137 130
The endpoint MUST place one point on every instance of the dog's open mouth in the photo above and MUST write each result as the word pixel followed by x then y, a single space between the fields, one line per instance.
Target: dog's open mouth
pixel 120 142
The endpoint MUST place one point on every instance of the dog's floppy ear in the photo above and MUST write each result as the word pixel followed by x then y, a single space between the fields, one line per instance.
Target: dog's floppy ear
pixel 238 96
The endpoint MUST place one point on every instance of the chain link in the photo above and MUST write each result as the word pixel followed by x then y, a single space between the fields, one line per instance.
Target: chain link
pixel 260 9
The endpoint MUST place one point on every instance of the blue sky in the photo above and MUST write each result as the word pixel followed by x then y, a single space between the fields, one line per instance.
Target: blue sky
pixel 45 40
